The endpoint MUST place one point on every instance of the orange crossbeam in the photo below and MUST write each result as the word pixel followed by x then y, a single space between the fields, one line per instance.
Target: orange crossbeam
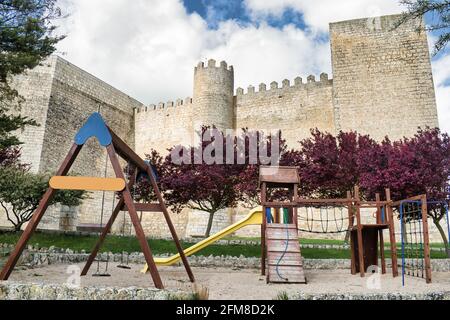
pixel 87 183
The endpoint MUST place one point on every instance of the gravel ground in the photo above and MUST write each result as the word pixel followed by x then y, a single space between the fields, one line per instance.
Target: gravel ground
pixel 235 284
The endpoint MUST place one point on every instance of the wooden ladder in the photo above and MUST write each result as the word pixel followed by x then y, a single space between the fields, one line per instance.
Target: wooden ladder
pixel 284 263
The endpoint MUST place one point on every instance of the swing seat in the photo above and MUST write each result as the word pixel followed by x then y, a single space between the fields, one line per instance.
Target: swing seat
pixel 101 275
pixel 87 183
pixel 90 227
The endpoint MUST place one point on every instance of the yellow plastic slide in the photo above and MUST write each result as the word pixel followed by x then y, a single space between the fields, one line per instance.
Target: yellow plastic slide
pixel 253 218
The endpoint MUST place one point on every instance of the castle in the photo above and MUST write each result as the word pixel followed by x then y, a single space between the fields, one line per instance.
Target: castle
pixel 382 85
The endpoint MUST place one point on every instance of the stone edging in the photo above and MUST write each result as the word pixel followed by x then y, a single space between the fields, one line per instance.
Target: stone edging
pixel 19 291
pixel 442 295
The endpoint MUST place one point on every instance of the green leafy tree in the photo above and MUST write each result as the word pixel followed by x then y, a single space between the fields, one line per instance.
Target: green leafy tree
pixel 21 192
pixel 26 38
pixel 439 11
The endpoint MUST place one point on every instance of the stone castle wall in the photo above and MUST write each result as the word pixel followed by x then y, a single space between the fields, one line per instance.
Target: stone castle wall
pixel 294 109
pixel 382 79
pixel 213 95
pixel 163 126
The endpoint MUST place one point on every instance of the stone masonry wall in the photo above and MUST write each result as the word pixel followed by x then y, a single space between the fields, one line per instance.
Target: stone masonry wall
pixel 293 109
pixel 382 80
pixel 164 125
pixel 213 95
pixel 75 96
pixel 35 87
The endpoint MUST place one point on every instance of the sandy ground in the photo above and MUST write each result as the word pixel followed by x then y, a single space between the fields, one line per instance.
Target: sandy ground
pixel 235 284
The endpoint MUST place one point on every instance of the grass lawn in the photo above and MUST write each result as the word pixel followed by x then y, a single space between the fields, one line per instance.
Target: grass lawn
pixel 117 244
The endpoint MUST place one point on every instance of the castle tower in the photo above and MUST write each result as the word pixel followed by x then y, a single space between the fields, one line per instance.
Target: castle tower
pixel 382 83
pixel 213 95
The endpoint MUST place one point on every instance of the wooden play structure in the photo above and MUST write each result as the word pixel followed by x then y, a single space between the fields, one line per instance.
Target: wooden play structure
pixel 279 239
pixel 286 213
pixel 96 127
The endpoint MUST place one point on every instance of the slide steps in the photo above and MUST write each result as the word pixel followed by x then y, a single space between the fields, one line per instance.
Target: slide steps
pixel 284 260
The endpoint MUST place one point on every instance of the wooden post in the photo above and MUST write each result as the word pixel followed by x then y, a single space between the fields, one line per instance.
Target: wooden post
pixel 350 226
pixel 37 216
pixel 170 225
pixel 127 153
pixel 390 214
pixel 295 197
pixel 359 232
pixel 129 202
pixel 379 221
pixel 263 228
pixel 426 239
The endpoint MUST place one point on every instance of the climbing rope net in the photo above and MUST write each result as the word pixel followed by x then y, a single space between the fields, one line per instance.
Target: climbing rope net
pixel 410 234
pixel 323 219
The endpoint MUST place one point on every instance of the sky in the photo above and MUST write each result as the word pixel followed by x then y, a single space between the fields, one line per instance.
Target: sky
pixel 148 48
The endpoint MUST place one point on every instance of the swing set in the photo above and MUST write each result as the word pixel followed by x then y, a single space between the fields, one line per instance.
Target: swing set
pixel 115 147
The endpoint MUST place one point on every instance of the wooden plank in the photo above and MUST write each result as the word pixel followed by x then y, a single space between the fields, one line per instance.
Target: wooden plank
pixel 135 220
pixel 263 230
pixel 172 230
pixel 283 259
pixel 288 256
pixel 87 183
pixel 288 274
pixel 380 232
pixel 286 270
pixel 426 239
pixel 146 207
pixel 285 263
pixel 390 214
pixel 275 234
pixel 278 175
pixel 351 222
pixel 359 234
pixel 280 245
pixel 281 226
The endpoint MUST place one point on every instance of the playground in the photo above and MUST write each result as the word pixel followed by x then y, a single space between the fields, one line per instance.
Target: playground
pixel 383 260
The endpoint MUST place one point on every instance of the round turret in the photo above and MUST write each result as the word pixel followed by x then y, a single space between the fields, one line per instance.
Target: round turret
pixel 213 95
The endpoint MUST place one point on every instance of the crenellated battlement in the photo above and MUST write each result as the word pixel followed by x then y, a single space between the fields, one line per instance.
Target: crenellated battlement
pixel 287 85
pixel 212 64
pixel 165 105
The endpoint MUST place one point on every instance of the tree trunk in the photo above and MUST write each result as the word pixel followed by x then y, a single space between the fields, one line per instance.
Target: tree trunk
pixel 210 222
pixel 443 235
pixel 17 227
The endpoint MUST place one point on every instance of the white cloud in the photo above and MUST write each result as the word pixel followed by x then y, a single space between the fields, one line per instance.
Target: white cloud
pixel 266 54
pixel 148 48
pixel 318 14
